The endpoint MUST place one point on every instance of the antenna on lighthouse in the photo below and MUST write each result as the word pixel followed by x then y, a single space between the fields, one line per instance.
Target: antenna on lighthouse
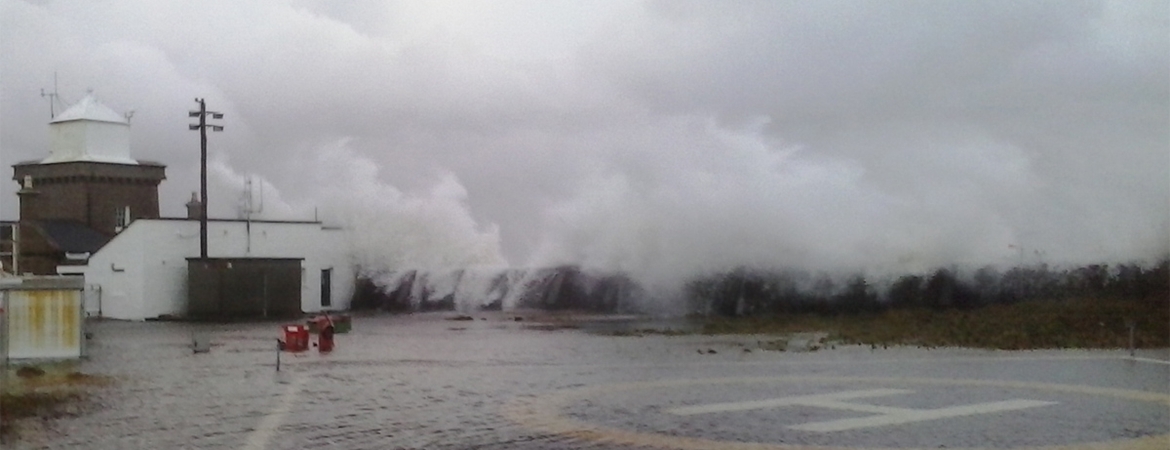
pixel 52 97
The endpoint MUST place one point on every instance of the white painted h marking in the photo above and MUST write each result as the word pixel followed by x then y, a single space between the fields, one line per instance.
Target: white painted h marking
pixel 883 415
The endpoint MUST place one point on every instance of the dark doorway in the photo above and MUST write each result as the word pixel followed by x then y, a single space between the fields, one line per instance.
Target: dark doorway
pixel 326 287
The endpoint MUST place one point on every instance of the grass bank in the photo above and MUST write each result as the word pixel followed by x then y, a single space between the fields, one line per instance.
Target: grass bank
pixel 44 391
pixel 1076 323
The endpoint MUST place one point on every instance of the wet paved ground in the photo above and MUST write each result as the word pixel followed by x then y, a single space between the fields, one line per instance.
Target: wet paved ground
pixel 422 382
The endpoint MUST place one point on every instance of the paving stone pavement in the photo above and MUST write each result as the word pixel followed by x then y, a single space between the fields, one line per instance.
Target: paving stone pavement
pixel 425 382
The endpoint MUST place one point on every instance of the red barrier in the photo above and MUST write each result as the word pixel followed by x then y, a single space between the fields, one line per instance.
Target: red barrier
pixel 325 337
pixel 296 338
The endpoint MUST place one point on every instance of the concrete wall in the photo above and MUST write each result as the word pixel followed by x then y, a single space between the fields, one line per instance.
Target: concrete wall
pixel 142 272
pixel 117 272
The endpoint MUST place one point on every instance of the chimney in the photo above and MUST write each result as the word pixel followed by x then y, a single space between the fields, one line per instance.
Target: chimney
pixel 194 207
pixel 30 206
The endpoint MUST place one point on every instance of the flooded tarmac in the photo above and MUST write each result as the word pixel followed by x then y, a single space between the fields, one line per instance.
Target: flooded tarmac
pixel 492 381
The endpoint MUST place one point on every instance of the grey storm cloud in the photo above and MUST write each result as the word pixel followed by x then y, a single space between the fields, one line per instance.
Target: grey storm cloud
pixel 661 137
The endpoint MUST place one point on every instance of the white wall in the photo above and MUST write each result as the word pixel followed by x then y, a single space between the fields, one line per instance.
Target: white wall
pixel 142 272
pixel 87 140
pixel 115 274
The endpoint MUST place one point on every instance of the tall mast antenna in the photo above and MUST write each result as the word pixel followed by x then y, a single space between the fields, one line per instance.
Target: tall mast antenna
pixel 52 97
pixel 248 204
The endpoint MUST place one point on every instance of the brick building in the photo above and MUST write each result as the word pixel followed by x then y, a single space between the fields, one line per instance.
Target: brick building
pixel 86 191
pixel 90 210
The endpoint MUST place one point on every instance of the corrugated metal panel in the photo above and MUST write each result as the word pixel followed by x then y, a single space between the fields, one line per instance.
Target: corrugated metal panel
pixel 44 323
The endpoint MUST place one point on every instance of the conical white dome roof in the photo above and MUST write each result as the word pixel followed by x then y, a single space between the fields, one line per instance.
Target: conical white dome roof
pixel 89 108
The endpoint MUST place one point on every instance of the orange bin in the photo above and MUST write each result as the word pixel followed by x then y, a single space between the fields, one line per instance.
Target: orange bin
pixel 296 338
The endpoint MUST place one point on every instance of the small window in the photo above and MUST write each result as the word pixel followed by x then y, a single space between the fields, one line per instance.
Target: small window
pixel 122 218
pixel 326 288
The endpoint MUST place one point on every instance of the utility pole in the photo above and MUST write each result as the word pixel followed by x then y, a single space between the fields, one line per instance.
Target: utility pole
pixel 202 126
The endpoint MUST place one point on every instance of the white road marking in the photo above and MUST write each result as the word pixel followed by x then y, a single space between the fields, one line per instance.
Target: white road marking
pixel 910 416
pixel 1149 360
pixel 806 400
pixel 883 415
pixel 546 412
pixel 260 436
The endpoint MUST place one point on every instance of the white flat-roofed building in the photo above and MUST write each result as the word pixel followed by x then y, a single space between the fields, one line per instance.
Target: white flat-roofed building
pixel 142 272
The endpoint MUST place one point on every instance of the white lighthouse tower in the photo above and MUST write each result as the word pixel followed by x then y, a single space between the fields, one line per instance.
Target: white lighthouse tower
pixel 89 131
pixel 85 191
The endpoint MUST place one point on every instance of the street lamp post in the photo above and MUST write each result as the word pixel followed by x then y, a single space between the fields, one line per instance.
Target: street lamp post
pixel 202 126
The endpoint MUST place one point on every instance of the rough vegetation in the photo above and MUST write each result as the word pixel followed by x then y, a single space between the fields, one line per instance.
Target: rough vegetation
pixel 45 391
pixel 747 293
pixel 1022 308
pixel 1072 323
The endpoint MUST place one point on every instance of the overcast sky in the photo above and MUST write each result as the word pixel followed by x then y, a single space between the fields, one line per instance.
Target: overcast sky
pixel 657 137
